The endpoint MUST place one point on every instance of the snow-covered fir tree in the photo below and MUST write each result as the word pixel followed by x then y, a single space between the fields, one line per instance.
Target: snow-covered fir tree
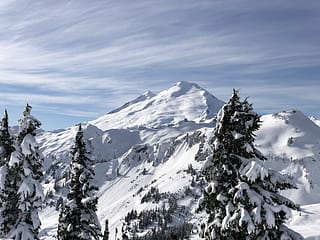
pixel 8 196
pixel 26 163
pixel 6 140
pixel 106 231
pixel 242 199
pixel 78 219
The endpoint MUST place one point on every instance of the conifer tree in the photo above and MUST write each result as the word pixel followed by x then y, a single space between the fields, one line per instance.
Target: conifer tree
pixel 26 164
pixel 6 141
pixel 8 199
pixel 242 199
pixel 78 219
pixel 106 231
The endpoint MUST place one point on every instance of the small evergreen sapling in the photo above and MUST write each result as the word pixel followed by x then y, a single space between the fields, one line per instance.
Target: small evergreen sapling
pixel 242 199
pixel 78 219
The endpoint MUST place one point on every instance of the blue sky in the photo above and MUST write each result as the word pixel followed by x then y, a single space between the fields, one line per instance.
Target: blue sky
pixel 74 60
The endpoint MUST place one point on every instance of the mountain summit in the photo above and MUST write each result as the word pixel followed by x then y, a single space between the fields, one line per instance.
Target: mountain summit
pixel 183 102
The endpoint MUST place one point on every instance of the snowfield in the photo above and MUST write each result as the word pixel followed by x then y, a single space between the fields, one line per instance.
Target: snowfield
pixel 307 221
pixel 292 142
pixel 152 141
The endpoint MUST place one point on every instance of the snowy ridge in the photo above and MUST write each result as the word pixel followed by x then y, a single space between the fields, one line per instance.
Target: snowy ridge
pixel 315 120
pixel 147 95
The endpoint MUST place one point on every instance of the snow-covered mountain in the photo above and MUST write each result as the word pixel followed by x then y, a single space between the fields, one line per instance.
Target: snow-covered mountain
pixel 150 120
pixel 183 102
pixel 149 151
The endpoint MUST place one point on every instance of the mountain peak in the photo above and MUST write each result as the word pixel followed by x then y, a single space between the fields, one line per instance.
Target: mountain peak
pixel 187 85
pixel 182 88
pixel 290 124
pixel 293 115
pixel 148 94
pixel 183 102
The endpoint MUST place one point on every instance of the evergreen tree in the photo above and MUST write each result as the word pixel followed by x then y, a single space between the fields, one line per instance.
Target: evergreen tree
pixel 26 164
pixel 242 199
pixel 78 219
pixel 8 210
pixel 6 141
pixel 106 231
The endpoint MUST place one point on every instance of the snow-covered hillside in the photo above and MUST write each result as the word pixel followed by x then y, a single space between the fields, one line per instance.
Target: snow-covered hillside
pixel 149 151
pixel 292 143
pixel 307 221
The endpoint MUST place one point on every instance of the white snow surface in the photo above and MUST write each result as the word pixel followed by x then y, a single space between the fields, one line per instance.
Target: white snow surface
pixel 156 133
pixel 307 222
pixel 315 120
pixel 28 144
pixel 292 143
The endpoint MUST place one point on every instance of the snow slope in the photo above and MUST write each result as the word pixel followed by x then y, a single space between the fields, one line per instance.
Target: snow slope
pixel 121 194
pixel 292 143
pixel 315 120
pixel 307 222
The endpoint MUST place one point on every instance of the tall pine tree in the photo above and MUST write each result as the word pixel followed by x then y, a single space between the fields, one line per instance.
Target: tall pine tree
pixel 106 231
pixel 8 199
pixel 6 140
pixel 78 219
pixel 26 162
pixel 242 199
